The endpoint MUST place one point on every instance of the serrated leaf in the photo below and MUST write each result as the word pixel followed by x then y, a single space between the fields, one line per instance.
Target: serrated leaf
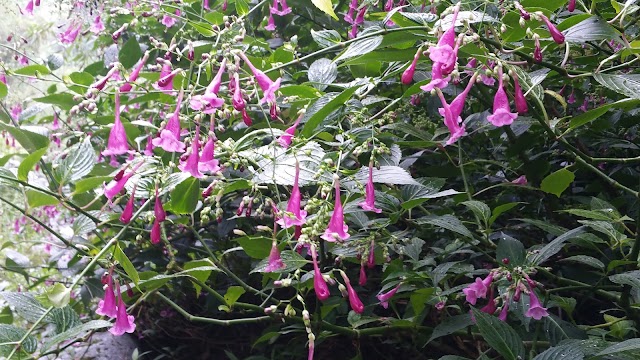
pixel 450 325
pixel 361 47
pixel 499 335
pixel 75 333
pixel 627 345
pixel 569 351
pixel 64 318
pixel 322 73
pixel 326 7
pixel 591 29
pixel 628 85
pixel 448 222
pixel 26 305
pixel 10 334
pixel 78 162
pixel 326 38
pixel 126 264
pixel 557 182
pixel 554 246
pixel 27 164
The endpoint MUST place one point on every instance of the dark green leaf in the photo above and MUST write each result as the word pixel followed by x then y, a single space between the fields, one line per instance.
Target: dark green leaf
pixel 479 208
pixel 450 325
pixel 591 29
pixel 63 100
pixel 130 53
pixel 327 104
pixel 27 164
pixel 26 306
pixel 258 247
pixel 586 260
pixel 233 294
pixel 241 7
pixel 554 246
pixel 64 318
pixel 628 85
pixel 291 259
pixel 627 345
pixel 361 47
pixel 75 333
pixel 448 222
pixel 184 198
pixel 29 140
pixel 3 90
pixel 499 335
pixel 566 350
pixel 126 264
pixel 510 249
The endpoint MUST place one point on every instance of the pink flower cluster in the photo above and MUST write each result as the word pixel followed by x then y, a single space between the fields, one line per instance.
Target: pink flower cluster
pixel 114 307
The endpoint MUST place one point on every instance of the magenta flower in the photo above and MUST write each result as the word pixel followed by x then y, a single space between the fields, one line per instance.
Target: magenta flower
pixel 537 52
pixel 205 5
pixel 207 162
pixel 385 297
pixel 209 101
pixel 319 285
pixel 56 122
pixel 370 197
pixel 117 184
pixel 491 307
pixel 237 100
pixel 353 6
pixel 280 8
pixel 127 213
pixel 117 143
pixel 407 75
pixel 97 26
pixel 445 53
pixel 245 118
pixel 478 289
pixel 275 261
pixel 100 84
pixel 294 216
pixel 191 165
pixel 523 13
pixel 557 36
pixel 437 79
pixel 70 35
pixel 3 78
pixel 536 310
pixel 23 60
pixel 165 83
pixel 388 5
pixel 354 300
pixel 504 311
pixel 16 110
pixel 271 24
pixel 155 232
pixel 521 102
pixel 124 322
pixel 169 138
pixel 572 98
pixel 522 180
pixel 116 34
pixel 502 114
pixel 168 21
pixel 363 275
pixel 337 228
pixel 28 9
pixel 456 129
pixel 214 87
pixel 285 139
pixel 268 86
pixel 107 306
pixel 135 73
pixel 572 5
pixel 158 209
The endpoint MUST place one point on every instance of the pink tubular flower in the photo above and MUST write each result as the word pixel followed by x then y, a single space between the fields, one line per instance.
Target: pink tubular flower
pixel 168 21
pixel 271 24
pixel 97 26
pixel 237 100
pixel 537 52
pixel 502 114
pixel 478 289
pixel 214 86
pixel 117 144
pixel 572 5
pixel 155 232
pixel 275 261
pixel 354 300
pixel 523 13
pixel 385 297
pixel 209 101
pixel 117 184
pixel 319 285
pixel 135 73
pixel 285 139
pixel 169 138
pixel 3 78
pixel 353 6
pixel 107 306
pixel 191 166
pixel 207 162
pixel 70 35
pixel 100 84
pixel 491 307
pixel 165 83
pixel 557 36
pixel 437 79
pixel 205 5
pixel 521 102
pixel 294 215
pixel 445 53
pixel 337 228
pixel 363 275
pixel 536 310
pixel 158 210
pixel 522 180
pixel 451 112
pixel 268 86
pixel 370 197
pixel 124 322
pixel 504 311
pixel 407 75
pixel 283 10
pixel 127 213
pixel 28 9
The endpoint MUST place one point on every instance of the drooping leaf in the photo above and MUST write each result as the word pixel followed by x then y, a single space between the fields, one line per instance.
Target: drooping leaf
pixel 628 85
pixel 566 350
pixel 499 335
pixel 27 164
pixel 75 333
pixel 556 183
pixel 450 325
pixel 627 345
pixel 326 7
pixel 448 222
pixel 126 264
pixel 26 305
pixel 554 246
pixel 590 29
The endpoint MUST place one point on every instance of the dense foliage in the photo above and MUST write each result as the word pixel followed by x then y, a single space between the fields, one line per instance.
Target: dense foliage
pixel 281 180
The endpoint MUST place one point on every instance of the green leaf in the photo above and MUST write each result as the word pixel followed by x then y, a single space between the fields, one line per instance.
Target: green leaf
pixel 554 246
pixel 628 85
pixel 64 318
pixel 329 103
pixel 63 100
pixel 449 326
pixel 84 185
pixel 631 278
pixel 572 350
pixel 242 8
pixel 75 333
pixel 586 260
pixel 326 7
pixel 591 29
pixel 558 330
pixel 499 335
pixel 6 316
pixel 361 47
pixel 203 28
pixel 128 267
pixel 557 182
pixel 36 198
pixel 130 53
pixel 10 334
pixel 322 73
pixel 593 114
pixel 258 247
pixel 29 140
pixel 448 222
pixel 78 162
pixel 479 208
pixel 59 295
pixel 428 188
pixel 326 38
pixel 291 259
pixel 201 270
pixel 26 306
pixel 3 90
pixel 627 345
pixel 510 249
pixel 184 198
pixel 27 164
pixel 83 225
pixel 233 294
pixel 501 209
pixel 31 70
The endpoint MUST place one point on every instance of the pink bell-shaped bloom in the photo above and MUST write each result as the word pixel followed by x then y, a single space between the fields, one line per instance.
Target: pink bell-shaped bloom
pixel 169 138
pixel 124 322
pixel 158 209
pixel 271 24
pixel 478 289
pixel 370 197
pixel 135 73
pixel 165 83
pixel 502 114
pixel 521 102
pixel 268 86
pixel 572 5
pixel 536 310
pixel 191 165
pixel 207 162
pixel 294 215
pixel 107 306
pixel 205 5
pixel 28 9
pixel 522 180
pixel 445 53
pixel 237 100
pixel 285 139
pixel 97 26
pixel 385 297
pixel 56 121
pixel 16 110
pixel 116 34
pixel 537 51
pixel 70 35
pixel 337 228
pixel 572 98
pixel 407 75
pixel 354 300
pixel 504 311
pixel 363 275
pixel 117 143
pixel 437 79
pixel 557 36
pixel 456 129
pixel 100 84
pixel 491 307
pixel 353 6
pixel 214 86
pixel 207 102
pixel 168 21
pixel 127 213
pixel 388 5
pixel 523 13
pixel 23 60
pixel 245 118
pixel 155 232
pixel 117 184
pixel 280 8
pixel 275 261
pixel 319 284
